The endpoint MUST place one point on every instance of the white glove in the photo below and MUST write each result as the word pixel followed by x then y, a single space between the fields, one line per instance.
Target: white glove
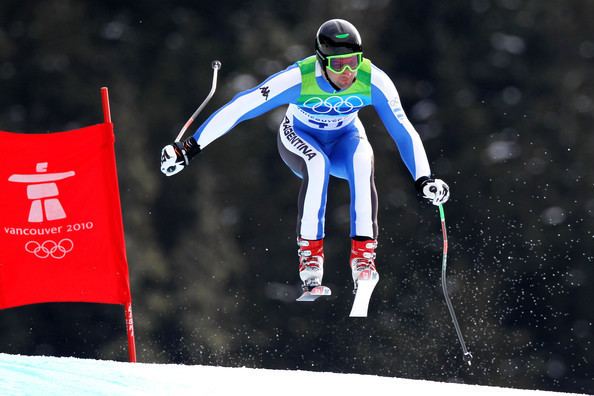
pixel 175 157
pixel 172 161
pixel 434 190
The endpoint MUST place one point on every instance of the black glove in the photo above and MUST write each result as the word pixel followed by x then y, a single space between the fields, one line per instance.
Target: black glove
pixel 176 156
pixel 434 190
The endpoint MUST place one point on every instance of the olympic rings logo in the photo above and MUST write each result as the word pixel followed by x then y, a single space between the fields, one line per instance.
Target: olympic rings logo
pixel 50 248
pixel 339 104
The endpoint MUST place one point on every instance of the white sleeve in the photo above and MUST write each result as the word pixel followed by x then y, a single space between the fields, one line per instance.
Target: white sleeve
pixel 387 104
pixel 279 89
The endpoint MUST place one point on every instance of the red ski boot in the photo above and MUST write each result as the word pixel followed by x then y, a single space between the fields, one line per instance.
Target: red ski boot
pixel 311 269
pixel 311 262
pixel 365 275
pixel 363 260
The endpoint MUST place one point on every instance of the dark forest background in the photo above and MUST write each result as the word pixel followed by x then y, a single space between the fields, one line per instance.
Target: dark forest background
pixel 501 92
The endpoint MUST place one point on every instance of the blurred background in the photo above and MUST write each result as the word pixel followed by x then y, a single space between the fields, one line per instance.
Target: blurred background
pixel 501 92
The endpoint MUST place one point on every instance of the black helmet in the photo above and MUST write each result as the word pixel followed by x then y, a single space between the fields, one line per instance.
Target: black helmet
pixel 337 37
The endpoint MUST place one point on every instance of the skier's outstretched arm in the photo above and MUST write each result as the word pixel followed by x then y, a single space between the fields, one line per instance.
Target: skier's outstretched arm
pixel 386 102
pixel 277 90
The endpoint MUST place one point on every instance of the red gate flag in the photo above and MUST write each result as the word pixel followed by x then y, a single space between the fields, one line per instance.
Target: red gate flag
pixel 61 233
pixel 61 230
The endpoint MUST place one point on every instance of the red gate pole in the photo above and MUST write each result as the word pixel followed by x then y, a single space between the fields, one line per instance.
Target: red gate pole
pixel 105 103
pixel 128 305
pixel 130 332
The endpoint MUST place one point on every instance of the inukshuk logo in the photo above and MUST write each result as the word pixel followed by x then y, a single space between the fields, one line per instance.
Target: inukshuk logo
pixel 43 193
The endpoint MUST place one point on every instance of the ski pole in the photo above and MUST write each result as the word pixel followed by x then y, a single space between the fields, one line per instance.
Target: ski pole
pixel 467 355
pixel 216 65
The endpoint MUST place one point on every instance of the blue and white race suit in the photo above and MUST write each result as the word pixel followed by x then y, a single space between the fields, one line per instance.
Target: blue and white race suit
pixel 321 135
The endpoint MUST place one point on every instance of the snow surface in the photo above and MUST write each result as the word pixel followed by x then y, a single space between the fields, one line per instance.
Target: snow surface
pixel 42 375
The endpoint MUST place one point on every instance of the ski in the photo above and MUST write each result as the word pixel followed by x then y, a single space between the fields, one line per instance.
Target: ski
pixel 315 293
pixel 365 285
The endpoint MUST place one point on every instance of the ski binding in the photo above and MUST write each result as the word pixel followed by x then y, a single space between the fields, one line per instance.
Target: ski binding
pixel 365 284
pixel 314 293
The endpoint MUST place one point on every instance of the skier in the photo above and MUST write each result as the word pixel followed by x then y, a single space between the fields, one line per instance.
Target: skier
pixel 321 136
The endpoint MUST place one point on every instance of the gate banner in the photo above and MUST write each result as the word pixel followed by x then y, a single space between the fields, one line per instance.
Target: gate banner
pixel 61 232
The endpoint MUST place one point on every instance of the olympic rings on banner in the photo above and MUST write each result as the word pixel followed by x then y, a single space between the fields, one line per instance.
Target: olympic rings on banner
pixel 339 104
pixel 50 248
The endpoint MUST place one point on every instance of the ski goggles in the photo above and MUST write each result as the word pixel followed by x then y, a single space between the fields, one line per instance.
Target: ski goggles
pixel 339 63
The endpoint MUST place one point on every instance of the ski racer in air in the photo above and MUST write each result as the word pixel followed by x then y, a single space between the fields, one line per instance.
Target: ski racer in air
pixel 321 136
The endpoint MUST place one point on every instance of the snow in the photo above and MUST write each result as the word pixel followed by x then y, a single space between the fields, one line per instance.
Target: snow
pixel 47 376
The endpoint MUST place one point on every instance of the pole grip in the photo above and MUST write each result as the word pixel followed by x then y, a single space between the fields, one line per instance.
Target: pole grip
pixel 443 230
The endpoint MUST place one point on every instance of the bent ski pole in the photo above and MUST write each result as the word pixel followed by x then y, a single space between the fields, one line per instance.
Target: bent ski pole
pixel 216 65
pixel 467 355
